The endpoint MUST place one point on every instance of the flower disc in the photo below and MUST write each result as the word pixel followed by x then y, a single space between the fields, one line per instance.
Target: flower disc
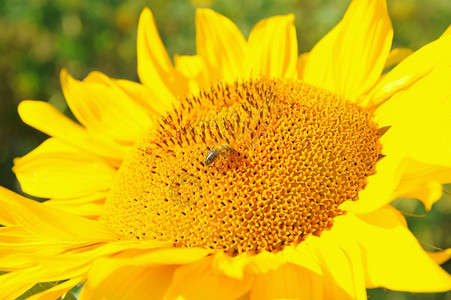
pixel 244 167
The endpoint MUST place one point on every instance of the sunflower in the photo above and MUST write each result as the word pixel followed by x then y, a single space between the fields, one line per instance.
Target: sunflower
pixel 243 171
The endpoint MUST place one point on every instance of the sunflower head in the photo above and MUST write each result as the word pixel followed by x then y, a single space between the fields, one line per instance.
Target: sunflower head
pixel 249 166
pixel 242 172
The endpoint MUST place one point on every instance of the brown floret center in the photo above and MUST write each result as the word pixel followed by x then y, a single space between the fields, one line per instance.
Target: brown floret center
pixel 250 166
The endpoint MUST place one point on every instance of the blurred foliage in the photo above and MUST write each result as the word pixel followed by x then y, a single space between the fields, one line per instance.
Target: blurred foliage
pixel 38 38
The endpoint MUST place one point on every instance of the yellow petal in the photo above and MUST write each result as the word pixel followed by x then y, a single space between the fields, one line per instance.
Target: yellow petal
pixel 393 257
pixel 289 281
pixel 273 48
pixel 49 222
pixel 265 262
pixel 354 53
pixel 142 95
pixel 220 44
pixel 194 68
pixel 74 261
pixel 380 189
pixel 15 283
pixel 446 32
pixel 135 258
pixel 419 128
pixel 16 245
pixel 422 181
pixel 302 61
pixel 91 198
pixel 237 266
pixel 301 255
pixel 163 255
pixel 14 234
pixel 47 119
pixel 125 253
pixel 231 266
pixel 420 133
pixel 58 290
pixel 317 67
pixel 198 280
pixel 138 96
pixel 407 72
pixel 20 254
pixel 342 268
pixel 55 170
pixel 104 108
pixel 106 280
pixel 88 210
pixel 90 206
pixel 83 254
pixel 440 257
pixel 155 69
pixel 400 177
pixel 396 56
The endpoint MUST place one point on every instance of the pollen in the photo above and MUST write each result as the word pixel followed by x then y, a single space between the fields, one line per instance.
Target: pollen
pixel 245 167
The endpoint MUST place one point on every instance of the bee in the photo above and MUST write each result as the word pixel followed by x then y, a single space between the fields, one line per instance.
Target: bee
pixel 215 153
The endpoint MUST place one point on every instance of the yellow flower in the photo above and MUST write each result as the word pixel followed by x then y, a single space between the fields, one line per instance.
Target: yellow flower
pixel 244 171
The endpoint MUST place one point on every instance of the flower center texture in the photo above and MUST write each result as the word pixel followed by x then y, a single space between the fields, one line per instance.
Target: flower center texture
pixel 249 166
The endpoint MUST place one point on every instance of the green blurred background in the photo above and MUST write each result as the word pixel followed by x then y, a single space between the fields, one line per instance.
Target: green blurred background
pixel 40 37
